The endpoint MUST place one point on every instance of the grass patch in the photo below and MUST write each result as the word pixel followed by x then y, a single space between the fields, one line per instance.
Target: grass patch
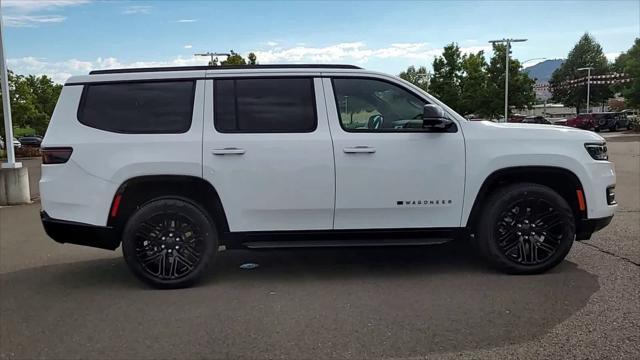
pixel 19 132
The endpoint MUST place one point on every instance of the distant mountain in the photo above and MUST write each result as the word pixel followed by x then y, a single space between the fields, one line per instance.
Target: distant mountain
pixel 542 71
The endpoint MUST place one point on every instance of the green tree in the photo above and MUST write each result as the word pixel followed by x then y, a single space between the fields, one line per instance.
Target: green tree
pixel 418 77
pixel 586 53
pixel 33 99
pixel 521 92
pixel 237 59
pixel 629 63
pixel 445 82
pixel 473 85
pixel 253 59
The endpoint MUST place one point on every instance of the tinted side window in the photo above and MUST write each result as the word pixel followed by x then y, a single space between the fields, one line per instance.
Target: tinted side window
pixel 375 105
pixel 138 107
pixel 264 105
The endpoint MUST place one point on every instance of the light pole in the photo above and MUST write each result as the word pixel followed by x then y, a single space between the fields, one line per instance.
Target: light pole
pixel 6 106
pixel 506 66
pixel 14 177
pixel 588 68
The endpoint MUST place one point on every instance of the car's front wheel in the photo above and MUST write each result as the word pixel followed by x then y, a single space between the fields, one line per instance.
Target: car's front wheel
pixel 169 242
pixel 526 229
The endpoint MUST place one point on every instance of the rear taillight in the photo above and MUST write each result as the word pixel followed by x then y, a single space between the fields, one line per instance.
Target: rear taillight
pixel 56 155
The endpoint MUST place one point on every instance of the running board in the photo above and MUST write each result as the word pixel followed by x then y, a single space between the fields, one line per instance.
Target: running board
pixel 342 243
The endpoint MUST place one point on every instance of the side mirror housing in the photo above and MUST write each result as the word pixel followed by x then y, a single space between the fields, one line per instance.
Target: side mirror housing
pixel 434 117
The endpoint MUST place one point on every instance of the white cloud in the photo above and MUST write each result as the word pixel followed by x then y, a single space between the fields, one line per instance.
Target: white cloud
pixel 60 71
pixel 352 52
pixel 271 43
pixel 137 9
pixel 32 20
pixel 186 21
pixel 38 5
pixel 25 13
pixel 355 52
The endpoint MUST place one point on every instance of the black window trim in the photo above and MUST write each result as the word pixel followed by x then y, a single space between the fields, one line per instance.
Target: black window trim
pixel 452 129
pixel 83 99
pixel 301 76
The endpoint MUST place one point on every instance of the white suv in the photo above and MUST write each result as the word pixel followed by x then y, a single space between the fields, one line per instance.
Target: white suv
pixel 174 162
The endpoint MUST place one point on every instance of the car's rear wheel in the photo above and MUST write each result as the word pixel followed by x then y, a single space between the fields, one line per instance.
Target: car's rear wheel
pixel 169 242
pixel 526 229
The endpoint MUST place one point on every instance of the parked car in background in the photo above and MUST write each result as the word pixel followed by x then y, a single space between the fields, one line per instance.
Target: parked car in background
pixel 516 118
pixel 1 143
pixel 536 120
pixel 583 121
pixel 16 143
pixel 558 121
pixel 611 121
pixel 33 141
pixel 622 121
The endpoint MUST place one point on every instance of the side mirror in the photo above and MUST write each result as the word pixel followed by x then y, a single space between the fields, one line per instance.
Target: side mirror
pixel 434 117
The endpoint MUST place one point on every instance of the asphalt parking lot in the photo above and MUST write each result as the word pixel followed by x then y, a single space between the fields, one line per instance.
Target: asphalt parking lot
pixel 65 301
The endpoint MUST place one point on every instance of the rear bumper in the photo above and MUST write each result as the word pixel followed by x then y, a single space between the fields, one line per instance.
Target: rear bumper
pixel 587 227
pixel 62 231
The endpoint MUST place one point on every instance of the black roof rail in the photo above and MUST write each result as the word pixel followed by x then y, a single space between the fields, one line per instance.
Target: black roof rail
pixel 223 67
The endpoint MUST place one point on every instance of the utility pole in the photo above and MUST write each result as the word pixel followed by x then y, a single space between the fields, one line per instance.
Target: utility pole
pixel 588 84
pixel 214 57
pixel 506 65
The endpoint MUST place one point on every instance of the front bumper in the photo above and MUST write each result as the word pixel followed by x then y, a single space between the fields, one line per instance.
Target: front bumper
pixel 587 227
pixel 62 231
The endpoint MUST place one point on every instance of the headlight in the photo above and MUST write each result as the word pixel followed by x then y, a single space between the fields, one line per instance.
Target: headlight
pixel 597 151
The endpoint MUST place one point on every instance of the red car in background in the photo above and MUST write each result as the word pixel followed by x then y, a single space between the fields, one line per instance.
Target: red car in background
pixel 611 121
pixel 583 121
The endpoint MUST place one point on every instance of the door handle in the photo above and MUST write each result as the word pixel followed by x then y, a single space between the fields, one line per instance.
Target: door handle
pixel 228 151
pixel 360 150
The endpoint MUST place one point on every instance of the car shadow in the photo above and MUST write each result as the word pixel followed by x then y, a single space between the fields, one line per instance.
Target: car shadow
pixel 321 303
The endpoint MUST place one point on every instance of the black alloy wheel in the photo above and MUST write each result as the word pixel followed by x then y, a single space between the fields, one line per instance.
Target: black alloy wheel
pixel 530 231
pixel 525 228
pixel 169 243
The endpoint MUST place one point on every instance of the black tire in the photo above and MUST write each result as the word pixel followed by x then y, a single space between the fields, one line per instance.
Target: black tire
pixel 177 239
pixel 521 241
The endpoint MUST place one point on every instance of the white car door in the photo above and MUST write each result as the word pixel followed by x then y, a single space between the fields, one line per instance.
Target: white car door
pixel 390 172
pixel 267 151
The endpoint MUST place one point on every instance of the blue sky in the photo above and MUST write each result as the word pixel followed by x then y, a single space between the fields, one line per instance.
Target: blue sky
pixel 65 37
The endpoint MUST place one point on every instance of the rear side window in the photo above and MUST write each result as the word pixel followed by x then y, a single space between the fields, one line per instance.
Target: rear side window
pixel 138 107
pixel 264 105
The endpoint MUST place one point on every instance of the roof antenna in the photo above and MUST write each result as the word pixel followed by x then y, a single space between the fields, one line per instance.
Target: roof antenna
pixel 214 57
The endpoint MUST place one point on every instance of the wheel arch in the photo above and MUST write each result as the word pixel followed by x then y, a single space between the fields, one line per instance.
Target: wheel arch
pixel 563 181
pixel 137 191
